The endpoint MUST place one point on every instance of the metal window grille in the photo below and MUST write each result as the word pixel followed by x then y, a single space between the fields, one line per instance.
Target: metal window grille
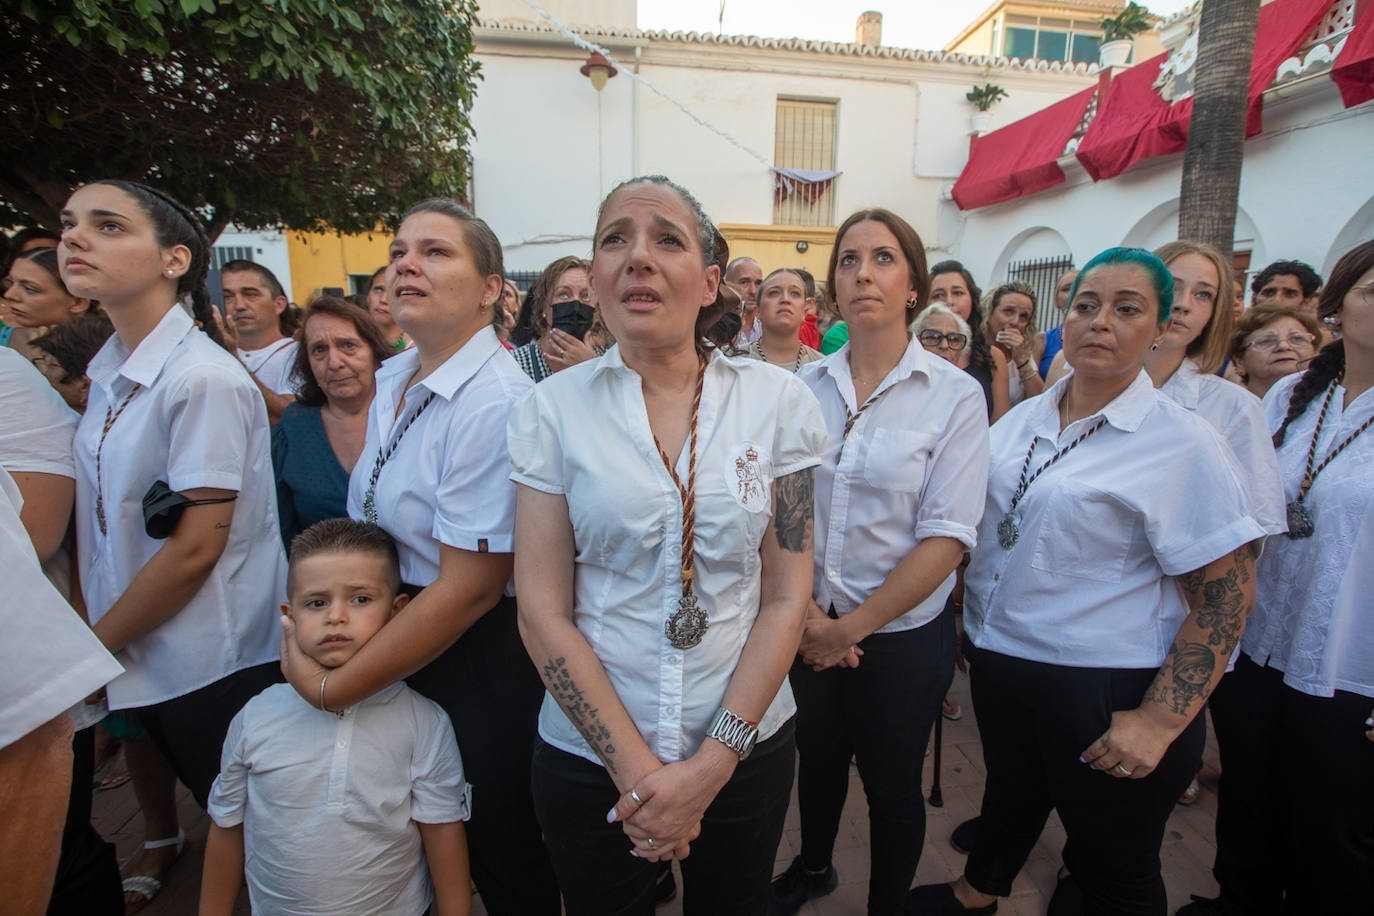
pixel 1041 274
pixel 804 138
pixel 523 279
pixel 223 254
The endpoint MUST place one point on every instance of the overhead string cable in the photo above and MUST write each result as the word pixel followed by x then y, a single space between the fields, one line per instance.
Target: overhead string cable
pixel 597 49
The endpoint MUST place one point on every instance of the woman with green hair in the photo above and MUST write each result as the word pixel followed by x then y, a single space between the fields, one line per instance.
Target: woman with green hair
pixel 1103 600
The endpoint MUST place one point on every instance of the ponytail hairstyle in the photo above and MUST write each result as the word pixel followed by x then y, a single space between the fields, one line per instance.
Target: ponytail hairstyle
pixel 1329 365
pixel 175 224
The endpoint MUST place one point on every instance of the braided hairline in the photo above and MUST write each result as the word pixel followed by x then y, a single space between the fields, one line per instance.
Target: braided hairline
pixel 1325 368
pixel 193 281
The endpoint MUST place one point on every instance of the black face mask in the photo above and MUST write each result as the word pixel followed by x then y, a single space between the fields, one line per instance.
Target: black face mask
pixel 573 318
pixel 163 506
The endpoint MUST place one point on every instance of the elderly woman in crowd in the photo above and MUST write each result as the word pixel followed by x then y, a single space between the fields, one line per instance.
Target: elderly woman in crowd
pixel 1272 341
pixel 1009 314
pixel 560 302
pixel 664 569
pixel 319 438
pixel 782 309
pixel 952 284
pixel 1295 822
pixel 898 497
pixel 1107 591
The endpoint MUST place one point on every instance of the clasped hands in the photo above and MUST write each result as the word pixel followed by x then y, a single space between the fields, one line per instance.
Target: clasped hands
pixel 661 814
pixel 826 641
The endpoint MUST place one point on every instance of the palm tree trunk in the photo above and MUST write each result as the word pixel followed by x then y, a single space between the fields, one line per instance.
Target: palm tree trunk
pixel 1216 133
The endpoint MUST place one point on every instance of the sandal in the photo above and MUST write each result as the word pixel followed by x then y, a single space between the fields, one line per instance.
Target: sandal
pixel 949 708
pixel 149 886
pixel 1189 796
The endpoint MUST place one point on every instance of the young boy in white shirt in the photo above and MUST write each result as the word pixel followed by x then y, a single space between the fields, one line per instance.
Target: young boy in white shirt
pixel 328 811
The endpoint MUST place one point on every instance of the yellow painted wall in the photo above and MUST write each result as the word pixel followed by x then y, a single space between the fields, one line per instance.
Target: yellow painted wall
pixel 319 260
pixel 776 246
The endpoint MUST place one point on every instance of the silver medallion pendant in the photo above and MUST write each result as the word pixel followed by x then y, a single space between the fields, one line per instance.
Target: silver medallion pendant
pixel 688 625
pixel 1007 531
pixel 1300 523
pixel 370 506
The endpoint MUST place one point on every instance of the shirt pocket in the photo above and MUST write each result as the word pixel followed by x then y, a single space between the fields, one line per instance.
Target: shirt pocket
pixel 896 459
pixel 1086 534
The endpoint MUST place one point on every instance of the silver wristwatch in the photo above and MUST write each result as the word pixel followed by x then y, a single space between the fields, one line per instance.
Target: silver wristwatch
pixel 739 735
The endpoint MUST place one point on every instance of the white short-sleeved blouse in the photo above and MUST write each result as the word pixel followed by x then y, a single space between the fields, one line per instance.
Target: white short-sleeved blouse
pixel 914 467
pixel 1312 618
pixel 447 481
pixel 584 433
pixel 1149 496
pixel 196 421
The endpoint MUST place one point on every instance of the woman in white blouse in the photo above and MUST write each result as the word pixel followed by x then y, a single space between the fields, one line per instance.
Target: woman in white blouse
pixel 898 498
pixel 1109 586
pixel 189 614
pixel 663 565
pixel 433 474
pixel 1295 819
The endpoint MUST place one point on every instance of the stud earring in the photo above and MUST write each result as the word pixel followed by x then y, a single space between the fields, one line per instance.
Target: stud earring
pixel 1154 346
pixel 169 271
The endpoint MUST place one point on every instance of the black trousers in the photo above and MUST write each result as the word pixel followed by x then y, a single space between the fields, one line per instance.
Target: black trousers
pixel 1035 720
pixel 189 730
pixel 87 873
pixel 880 714
pixel 730 868
pixel 1295 818
pixel 491 692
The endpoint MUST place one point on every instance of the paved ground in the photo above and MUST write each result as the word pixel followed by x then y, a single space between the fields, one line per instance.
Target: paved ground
pixel 1189 842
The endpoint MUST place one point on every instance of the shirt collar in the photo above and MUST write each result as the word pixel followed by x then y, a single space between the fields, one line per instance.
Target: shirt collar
pixel 1126 412
pixel 914 359
pixel 613 362
pixel 1184 387
pixel 456 370
pixel 144 364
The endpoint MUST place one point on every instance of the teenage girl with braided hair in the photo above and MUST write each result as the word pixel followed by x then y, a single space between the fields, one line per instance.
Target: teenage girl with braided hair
pixel 1298 702
pixel 189 614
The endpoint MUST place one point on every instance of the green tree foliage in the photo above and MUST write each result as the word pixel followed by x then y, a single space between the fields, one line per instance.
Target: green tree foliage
pixel 310 114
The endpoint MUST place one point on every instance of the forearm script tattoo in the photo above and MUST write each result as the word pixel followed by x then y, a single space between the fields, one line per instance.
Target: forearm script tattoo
pixel 794 498
pixel 582 714
pixel 1188 669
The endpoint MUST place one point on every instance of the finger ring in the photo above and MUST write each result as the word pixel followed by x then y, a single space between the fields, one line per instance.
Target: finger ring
pixel 634 794
pixel 1122 770
pixel 651 842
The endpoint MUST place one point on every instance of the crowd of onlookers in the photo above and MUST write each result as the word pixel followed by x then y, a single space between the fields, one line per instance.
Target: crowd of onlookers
pixel 753 518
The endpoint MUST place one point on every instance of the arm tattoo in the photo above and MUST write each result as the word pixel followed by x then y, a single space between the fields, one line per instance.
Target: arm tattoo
pixel 581 713
pixel 1184 677
pixel 794 498
pixel 1222 613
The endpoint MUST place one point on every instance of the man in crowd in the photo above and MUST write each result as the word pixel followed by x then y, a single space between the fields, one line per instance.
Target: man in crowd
pixel 1287 282
pixel 254 303
pixel 745 275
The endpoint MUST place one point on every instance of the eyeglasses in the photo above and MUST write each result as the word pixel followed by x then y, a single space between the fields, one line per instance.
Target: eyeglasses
pixel 931 339
pixel 1270 342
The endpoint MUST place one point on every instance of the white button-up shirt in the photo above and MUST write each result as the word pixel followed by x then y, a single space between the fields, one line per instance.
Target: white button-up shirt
pixel 584 433
pixel 49 658
pixel 1314 595
pixel 273 365
pixel 197 421
pixel 914 467
pixel 37 426
pixel 1150 495
pixel 446 482
pixel 329 801
pixel 1235 413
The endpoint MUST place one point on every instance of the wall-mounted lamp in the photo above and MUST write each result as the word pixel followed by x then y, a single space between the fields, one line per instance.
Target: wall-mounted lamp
pixel 598 69
pixel 802 246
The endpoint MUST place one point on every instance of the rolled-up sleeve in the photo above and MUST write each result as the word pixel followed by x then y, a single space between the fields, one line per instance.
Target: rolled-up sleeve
pixel 799 440
pixel 532 436
pixel 956 485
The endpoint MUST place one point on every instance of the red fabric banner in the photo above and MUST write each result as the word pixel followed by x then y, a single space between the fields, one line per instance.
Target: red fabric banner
pixel 1353 70
pixel 1020 159
pixel 1133 122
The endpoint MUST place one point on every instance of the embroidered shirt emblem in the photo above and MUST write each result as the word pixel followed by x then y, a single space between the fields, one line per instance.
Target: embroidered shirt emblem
pixel 750 490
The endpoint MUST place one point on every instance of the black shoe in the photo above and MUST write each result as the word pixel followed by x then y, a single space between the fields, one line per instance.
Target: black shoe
pixel 665 886
pixel 799 884
pixel 964 836
pixel 939 900
pixel 1210 906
